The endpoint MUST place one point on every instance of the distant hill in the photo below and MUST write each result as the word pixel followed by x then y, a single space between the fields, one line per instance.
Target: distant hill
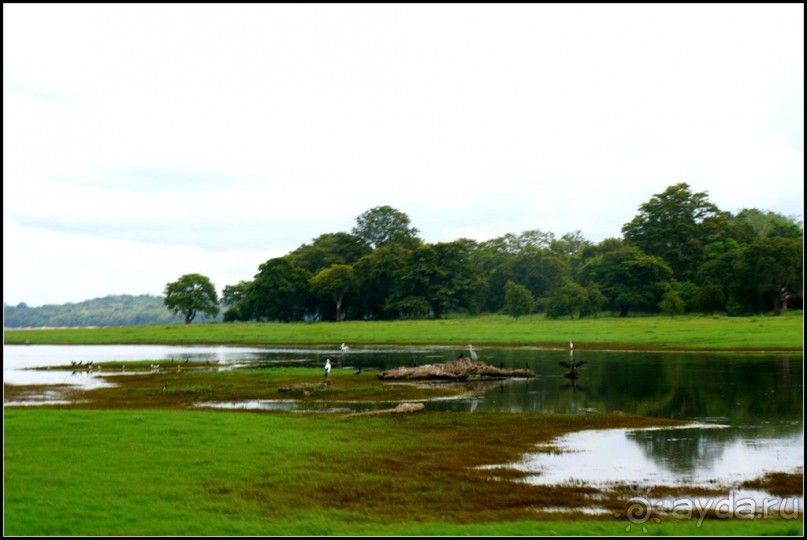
pixel 113 310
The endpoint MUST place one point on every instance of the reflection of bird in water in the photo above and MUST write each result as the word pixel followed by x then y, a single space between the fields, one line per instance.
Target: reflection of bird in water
pixel 339 359
pixel 572 383
pixel 472 352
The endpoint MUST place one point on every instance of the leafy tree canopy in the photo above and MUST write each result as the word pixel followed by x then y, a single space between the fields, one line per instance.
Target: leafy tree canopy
pixel 629 278
pixel 518 300
pixel 190 294
pixel 671 226
pixel 280 291
pixel 771 224
pixel 329 249
pixel 335 283
pixel 383 224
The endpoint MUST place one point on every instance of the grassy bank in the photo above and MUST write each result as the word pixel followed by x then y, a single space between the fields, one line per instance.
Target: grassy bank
pixel 652 333
pixel 172 472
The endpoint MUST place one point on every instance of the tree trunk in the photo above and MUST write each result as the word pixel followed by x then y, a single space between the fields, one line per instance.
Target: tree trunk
pixel 339 308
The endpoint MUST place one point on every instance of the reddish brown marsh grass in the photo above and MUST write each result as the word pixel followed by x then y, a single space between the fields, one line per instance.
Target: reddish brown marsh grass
pixel 437 474
pixel 779 484
pixel 173 386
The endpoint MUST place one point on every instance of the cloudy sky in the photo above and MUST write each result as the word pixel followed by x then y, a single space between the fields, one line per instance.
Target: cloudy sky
pixel 144 142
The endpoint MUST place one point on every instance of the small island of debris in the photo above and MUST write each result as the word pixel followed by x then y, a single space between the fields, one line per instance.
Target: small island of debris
pixel 458 370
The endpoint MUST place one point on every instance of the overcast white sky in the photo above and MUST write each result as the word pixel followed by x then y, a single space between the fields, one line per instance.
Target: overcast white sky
pixel 142 142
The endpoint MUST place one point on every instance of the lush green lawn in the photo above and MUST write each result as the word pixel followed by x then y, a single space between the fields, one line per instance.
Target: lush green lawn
pixel 695 333
pixel 120 473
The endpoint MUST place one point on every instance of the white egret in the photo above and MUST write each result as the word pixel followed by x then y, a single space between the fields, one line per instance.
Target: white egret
pixel 327 367
pixel 472 352
pixel 344 348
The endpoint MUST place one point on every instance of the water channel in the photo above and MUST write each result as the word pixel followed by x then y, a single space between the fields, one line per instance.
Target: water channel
pixel 748 407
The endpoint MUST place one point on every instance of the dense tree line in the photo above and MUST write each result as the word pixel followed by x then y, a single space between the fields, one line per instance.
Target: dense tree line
pixel 679 254
pixel 113 310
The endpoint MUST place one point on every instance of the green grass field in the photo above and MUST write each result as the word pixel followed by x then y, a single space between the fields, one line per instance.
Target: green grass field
pixel 784 332
pixel 121 473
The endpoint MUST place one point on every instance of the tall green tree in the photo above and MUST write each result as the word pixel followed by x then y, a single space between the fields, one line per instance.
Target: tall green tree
pixel 542 271
pixel 376 277
pixel 716 277
pixel 190 294
pixel 334 283
pixel 595 301
pixel 329 249
pixel 629 278
pixel 440 274
pixel 571 299
pixel 674 225
pixel 384 224
pixel 709 298
pixel 769 273
pixel 235 299
pixel 671 304
pixel 280 292
pixel 518 300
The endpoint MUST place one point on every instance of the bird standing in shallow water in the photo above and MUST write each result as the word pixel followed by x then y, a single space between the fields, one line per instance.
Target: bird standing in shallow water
pixel 472 352
pixel 327 367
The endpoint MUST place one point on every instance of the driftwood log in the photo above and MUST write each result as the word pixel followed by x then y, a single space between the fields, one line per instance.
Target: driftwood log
pixel 458 370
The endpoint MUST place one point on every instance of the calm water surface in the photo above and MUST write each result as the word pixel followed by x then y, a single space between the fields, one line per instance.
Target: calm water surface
pixel 752 404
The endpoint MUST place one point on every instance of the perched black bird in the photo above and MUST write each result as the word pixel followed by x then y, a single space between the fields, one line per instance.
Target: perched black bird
pixel 572 365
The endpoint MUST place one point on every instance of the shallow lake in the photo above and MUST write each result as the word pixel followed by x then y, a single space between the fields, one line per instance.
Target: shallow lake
pixel 752 403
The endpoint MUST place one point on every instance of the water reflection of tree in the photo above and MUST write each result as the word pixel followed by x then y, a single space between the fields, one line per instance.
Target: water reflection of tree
pixel 683 451
pixel 741 388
